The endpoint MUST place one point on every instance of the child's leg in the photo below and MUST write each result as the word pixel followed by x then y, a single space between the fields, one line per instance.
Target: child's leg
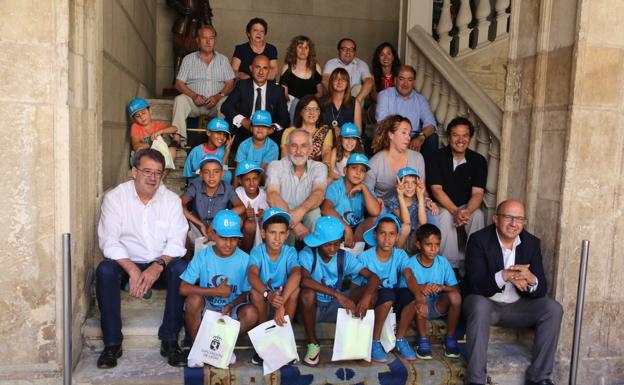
pixel 173 151
pixel 194 307
pixel 247 316
pixel 450 303
pixel 406 310
pixel 257 299
pixel 385 300
pixel 358 235
pixel 307 301
pixel 421 325
pixel 249 234
pixel 291 304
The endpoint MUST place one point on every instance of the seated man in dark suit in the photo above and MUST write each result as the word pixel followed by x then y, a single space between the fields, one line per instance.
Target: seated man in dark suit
pixel 505 285
pixel 254 94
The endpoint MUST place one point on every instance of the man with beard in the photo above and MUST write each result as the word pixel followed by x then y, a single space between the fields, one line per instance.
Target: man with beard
pixel 456 177
pixel 297 184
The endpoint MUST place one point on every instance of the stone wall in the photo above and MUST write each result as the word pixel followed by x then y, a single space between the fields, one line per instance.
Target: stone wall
pixel 129 65
pixel 368 22
pixel 486 67
pixel 50 178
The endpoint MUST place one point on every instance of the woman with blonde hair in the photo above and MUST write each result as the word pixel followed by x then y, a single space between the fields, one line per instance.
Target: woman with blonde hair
pixel 339 107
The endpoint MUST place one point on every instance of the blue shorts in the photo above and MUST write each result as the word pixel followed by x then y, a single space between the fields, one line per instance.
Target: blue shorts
pixel 405 297
pixel 328 311
pixel 233 313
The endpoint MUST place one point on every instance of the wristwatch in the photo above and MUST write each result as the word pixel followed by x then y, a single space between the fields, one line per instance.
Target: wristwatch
pixel 265 295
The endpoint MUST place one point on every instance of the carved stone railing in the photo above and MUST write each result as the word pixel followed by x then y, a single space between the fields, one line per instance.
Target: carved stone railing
pixel 473 24
pixel 452 93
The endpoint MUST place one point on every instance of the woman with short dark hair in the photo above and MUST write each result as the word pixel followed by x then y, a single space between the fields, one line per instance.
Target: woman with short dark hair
pixel 244 53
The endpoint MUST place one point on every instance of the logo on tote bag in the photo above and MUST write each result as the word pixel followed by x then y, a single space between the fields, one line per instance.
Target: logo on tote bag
pixel 215 343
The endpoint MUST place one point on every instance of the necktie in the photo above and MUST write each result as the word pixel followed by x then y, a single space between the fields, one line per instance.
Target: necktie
pixel 258 99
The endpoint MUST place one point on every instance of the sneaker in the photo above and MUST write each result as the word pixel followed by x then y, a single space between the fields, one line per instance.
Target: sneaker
pixel 405 350
pixel 423 350
pixel 233 359
pixel 256 359
pixel 312 356
pixel 450 347
pixel 191 363
pixel 377 352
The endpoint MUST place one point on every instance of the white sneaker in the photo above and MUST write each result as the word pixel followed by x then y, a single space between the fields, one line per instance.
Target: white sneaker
pixel 194 363
pixel 233 359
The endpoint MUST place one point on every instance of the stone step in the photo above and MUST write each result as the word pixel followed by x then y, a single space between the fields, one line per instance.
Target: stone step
pixel 162 109
pixel 507 363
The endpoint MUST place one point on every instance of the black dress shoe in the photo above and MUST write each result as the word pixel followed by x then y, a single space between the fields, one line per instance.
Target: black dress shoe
pixel 542 382
pixel 108 357
pixel 175 355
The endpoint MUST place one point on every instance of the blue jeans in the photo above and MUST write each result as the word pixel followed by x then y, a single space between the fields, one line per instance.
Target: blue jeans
pixel 111 278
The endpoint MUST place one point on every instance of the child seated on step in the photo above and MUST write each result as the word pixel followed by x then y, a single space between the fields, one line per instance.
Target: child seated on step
pixel 348 143
pixel 324 265
pixel 254 199
pixel 352 200
pixel 427 289
pixel 144 130
pixel 216 279
pixel 274 273
pixel 259 148
pixel 218 144
pixel 385 260
pixel 207 196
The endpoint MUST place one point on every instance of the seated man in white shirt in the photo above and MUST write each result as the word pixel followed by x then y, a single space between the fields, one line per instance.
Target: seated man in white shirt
pixel 359 73
pixel 141 233
pixel 505 285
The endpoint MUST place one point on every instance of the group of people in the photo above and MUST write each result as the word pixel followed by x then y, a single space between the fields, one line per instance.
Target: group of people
pixel 285 230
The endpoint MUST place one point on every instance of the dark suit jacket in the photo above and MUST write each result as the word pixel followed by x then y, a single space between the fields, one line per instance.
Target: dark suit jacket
pixel 484 258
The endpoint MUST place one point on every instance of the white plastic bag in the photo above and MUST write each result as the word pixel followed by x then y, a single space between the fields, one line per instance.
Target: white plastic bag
pixel 160 145
pixel 356 250
pixel 354 336
pixel 274 344
pixel 215 340
pixel 200 244
pixel 388 332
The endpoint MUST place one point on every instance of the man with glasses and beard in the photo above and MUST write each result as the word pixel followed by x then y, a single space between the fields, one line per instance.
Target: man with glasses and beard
pixel 297 184
pixel 141 234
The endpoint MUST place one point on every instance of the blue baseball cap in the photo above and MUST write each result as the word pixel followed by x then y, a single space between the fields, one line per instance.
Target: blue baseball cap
pixel 369 235
pixel 407 171
pixel 262 118
pixel 209 158
pixel 349 130
pixel 247 166
pixel 227 224
pixel 327 229
pixel 218 124
pixel 275 212
pixel 136 105
pixel 357 158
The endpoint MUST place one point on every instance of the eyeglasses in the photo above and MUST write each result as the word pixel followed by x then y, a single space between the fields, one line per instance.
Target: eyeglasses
pixel 347 49
pixel 153 173
pixel 311 109
pixel 510 218
pixel 340 80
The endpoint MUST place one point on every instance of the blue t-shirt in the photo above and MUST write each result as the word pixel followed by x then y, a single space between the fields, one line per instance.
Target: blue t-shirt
pixel 274 274
pixel 209 270
pixel 327 273
pixel 351 209
pixel 440 272
pixel 195 157
pixel 265 154
pixel 388 272
pixel 392 205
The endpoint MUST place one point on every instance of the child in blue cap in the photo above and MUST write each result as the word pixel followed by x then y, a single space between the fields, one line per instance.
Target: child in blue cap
pixel 385 260
pixel 208 195
pixel 259 148
pixel 349 142
pixel 352 200
pixel 428 289
pixel 144 130
pixel 218 144
pixel 274 273
pixel 253 198
pixel 216 279
pixel 324 265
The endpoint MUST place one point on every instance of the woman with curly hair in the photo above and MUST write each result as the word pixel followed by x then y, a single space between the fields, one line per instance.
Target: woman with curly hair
pixel 339 107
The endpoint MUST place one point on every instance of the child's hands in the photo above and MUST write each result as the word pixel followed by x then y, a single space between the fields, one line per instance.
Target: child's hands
pixel 228 143
pixel 349 237
pixel 420 188
pixel 260 213
pixel 155 135
pixel 431 288
pixel 355 189
pixel 224 289
pixel 249 212
pixel 400 188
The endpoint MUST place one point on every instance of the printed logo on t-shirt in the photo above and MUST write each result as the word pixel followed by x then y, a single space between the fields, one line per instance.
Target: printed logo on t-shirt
pixel 351 218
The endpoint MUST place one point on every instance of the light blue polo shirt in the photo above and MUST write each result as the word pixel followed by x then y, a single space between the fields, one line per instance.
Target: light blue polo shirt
pixel 274 274
pixel 265 154
pixel 209 270
pixel 440 272
pixel 351 209
pixel 388 272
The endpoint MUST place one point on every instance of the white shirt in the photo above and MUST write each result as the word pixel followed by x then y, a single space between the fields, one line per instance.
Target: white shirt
pixel 263 89
pixel 141 232
pixel 509 293
pixel 257 203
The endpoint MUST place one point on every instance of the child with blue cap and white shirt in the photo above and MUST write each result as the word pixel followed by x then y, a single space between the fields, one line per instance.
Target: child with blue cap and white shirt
pixel 216 278
pixel 352 200
pixel 252 195
pixel 324 265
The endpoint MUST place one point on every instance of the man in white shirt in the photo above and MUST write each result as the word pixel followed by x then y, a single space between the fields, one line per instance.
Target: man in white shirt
pixel 505 285
pixel 359 73
pixel 141 233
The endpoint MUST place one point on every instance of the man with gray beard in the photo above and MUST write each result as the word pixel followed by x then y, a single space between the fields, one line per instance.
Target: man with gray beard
pixel 297 184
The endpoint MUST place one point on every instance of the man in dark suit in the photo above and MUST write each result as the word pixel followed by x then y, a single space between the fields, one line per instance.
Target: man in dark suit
pixel 505 285
pixel 254 94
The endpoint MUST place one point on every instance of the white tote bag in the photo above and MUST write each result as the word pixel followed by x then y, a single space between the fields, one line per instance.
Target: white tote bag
pixel 274 344
pixel 354 336
pixel 388 332
pixel 160 145
pixel 215 340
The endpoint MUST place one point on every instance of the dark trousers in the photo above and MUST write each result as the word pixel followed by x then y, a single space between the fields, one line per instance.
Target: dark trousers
pixel 430 145
pixel 111 278
pixel 544 314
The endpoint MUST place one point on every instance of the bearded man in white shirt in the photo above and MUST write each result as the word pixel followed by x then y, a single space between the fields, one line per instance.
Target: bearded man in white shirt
pixel 505 285
pixel 141 233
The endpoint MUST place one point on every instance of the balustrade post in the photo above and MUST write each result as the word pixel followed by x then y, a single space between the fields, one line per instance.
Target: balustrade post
pixel 420 72
pixel 445 25
pixel 441 111
pixel 464 17
pixel 484 9
pixel 435 91
pixel 428 84
pixel 501 18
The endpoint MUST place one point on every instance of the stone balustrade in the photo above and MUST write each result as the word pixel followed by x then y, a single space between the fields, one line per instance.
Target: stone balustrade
pixel 466 25
pixel 452 93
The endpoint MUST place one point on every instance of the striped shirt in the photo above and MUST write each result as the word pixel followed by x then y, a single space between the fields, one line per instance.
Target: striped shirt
pixel 205 79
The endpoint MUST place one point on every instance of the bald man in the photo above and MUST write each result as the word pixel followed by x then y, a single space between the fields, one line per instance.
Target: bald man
pixel 505 285
pixel 257 93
